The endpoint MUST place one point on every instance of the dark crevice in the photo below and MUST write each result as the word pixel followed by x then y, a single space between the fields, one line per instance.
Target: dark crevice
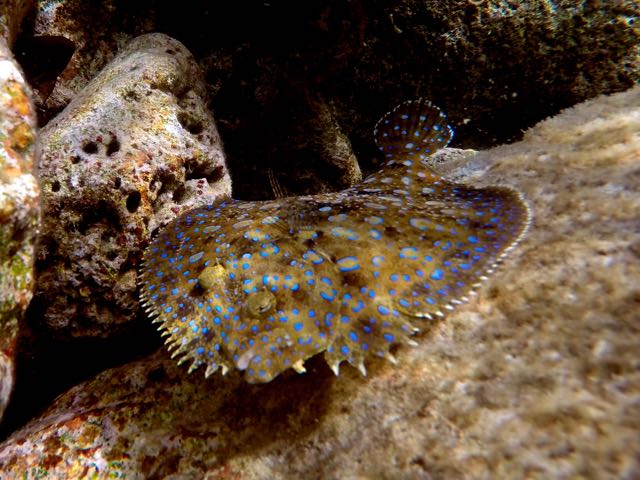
pixel 190 123
pixel 101 213
pixel 179 194
pixel 113 146
pixel 90 147
pixel 167 182
pixel 204 171
pixel 133 201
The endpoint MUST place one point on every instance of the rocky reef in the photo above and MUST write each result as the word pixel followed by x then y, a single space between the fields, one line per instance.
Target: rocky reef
pixel 535 377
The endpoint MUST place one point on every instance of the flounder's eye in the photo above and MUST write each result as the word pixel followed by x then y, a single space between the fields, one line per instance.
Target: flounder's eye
pixel 260 303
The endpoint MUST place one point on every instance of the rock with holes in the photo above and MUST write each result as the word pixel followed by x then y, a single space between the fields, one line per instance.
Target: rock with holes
pixel 536 378
pixel 77 39
pixel 19 194
pixel 136 147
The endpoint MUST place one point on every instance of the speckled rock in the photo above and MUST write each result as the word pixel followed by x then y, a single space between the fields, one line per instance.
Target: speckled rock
pixel 135 148
pixel 19 194
pixel 536 378
pixel 70 43
pixel 12 13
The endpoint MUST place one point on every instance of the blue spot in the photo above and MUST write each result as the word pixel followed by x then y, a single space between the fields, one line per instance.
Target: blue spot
pixel 437 274
pixel 472 239
pixel 327 296
pixel 327 319
pixel 409 253
pixel 358 307
pixel 348 264
pixel 377 260
pixel 344 350
pixel 353 336
pixel 388 337
pixel 168 309
pixel 383 310
pixel 175 291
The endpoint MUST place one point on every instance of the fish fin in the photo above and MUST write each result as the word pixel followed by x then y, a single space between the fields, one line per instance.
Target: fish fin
pixel 414 129
pixel 276 187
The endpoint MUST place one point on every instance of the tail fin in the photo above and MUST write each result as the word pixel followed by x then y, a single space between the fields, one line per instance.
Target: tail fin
pixel 412 131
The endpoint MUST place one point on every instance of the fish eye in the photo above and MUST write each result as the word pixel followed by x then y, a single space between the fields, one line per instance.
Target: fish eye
pixel 260 303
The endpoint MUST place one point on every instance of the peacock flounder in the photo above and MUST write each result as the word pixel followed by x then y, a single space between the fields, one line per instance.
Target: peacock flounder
pixel 263 286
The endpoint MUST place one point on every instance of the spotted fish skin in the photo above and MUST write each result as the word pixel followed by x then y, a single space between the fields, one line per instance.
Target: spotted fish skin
pixel 263 286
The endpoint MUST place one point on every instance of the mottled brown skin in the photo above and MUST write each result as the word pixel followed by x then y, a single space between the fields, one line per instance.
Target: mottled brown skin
pixel 262 286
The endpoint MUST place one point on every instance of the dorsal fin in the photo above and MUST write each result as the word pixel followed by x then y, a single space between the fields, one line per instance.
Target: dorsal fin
pixel 412 131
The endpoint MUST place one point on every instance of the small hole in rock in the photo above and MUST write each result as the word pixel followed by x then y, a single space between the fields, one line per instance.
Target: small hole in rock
pixel 179 194
pixel 55 186
pixel 75 159
pixel 90 147
pixel 113 146
pixel 112 255
pixel 117 182
pixel 133 201
pixel 190 124
pixel 131 95
pixel 170 51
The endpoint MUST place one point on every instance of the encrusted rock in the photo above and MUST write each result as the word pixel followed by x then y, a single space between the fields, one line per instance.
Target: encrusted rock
pixel 19 209
pixel 536 378
pixel 77 39
pixel 136 147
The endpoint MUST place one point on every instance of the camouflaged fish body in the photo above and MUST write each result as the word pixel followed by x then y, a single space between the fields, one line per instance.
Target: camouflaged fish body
pixel 262 286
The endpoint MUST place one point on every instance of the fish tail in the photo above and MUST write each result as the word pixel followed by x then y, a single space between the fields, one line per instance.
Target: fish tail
pixel 413 130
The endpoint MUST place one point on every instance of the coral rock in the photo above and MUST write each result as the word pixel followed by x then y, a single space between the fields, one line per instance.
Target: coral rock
pixel 19 208
pixel 136 147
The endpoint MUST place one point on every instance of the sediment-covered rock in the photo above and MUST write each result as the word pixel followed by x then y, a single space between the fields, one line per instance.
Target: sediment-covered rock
pixel 136 147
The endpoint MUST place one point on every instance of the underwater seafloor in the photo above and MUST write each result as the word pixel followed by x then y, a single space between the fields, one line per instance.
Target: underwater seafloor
pixel 119 117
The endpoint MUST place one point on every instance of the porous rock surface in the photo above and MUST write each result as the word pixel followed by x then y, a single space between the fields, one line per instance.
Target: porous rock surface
pixel 135 148
pixel 19 209
pixel 537 377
